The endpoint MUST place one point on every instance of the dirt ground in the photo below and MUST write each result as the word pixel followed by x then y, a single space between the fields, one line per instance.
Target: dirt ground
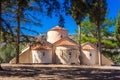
pixel 59 72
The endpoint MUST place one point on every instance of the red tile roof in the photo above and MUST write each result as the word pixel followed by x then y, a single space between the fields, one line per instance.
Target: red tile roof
pixel 57 28
pixel 88 46
pixel 65 42
pixel 39 47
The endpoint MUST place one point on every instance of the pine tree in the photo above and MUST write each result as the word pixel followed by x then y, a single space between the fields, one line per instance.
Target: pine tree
pixel 117 30
pixel 1 27
pixel 98 10
pixel 61 21
pixel 78 11
pixel 23 5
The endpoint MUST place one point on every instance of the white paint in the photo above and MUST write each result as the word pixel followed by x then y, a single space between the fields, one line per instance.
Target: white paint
pixel 64 57
pixel 89 57
pixel 28 47
pixel 55 35
pixel 42 56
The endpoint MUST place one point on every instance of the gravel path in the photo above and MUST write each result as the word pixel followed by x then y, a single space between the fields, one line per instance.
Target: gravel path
pixel 58 72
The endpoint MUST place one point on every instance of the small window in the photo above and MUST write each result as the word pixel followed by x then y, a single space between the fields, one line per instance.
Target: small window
pixel 61 36
pixel 76 55
pixel 62 53
pixel 70 55
pixel 90 54
pixel 43 53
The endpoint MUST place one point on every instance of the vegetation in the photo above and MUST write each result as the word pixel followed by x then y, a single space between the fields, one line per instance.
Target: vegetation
pixel 116 57
pixel 7 53
pixel 17 12
pixel 109 44
pixel 97 15
pixel 78 11
pixel 117 29
pixel 89 15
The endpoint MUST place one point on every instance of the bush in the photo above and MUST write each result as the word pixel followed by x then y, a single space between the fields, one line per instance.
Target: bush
pixel 7 53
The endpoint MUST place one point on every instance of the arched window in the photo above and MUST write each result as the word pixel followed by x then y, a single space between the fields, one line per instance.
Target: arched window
pixel 90 54
pixel 61 36
pixel 62 53
pixel 70 54
pixel 43 53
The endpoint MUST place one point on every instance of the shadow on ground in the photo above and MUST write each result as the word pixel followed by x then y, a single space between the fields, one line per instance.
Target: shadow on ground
pixel 60 73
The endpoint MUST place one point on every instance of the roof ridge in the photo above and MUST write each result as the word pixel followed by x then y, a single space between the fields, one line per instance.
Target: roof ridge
pixel 64 43
pixel 91 46
pixel 57 28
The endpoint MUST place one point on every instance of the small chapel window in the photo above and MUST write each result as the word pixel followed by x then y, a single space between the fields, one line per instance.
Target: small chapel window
pixel 61 36
pixel 70 55
pixel 62 53
pixel 43 53
pixel 90 54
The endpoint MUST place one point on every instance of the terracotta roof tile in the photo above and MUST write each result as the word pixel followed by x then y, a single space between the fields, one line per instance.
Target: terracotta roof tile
pixel 66 42
pixel 63 43
pixel 88 47
pixel 39 47
pixel 57 28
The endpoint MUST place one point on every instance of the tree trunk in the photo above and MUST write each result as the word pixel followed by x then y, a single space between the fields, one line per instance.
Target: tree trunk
pixel 99 35
pixel 0 27
pixel 18 35
pixel 99 46
pixel 79 42
pixel 0 17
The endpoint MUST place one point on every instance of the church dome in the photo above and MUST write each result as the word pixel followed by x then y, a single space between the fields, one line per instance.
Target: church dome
pixel 57 28
pixel 56 34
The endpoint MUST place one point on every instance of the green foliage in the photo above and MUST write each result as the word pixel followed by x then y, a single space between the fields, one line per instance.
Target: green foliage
pixel 116 58
pixel 7 53
pixel 89 35
pixel 109 43
pixel 18 13
pixel 88 28
pixel 78 10
pixel 117 30
pixel 98 10
pixel 97 15
pixel 87 39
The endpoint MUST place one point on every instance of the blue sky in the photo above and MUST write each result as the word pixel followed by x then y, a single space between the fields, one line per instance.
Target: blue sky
pixel 113 8
pixel 48 23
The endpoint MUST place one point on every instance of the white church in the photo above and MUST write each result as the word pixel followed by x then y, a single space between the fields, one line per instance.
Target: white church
pixel 60 49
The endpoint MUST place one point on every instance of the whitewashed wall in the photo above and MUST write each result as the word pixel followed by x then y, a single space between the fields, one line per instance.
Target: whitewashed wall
pixel 55 35
pixel 24 57
pixel 42 56
pixel 89 57
pixel 64 57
